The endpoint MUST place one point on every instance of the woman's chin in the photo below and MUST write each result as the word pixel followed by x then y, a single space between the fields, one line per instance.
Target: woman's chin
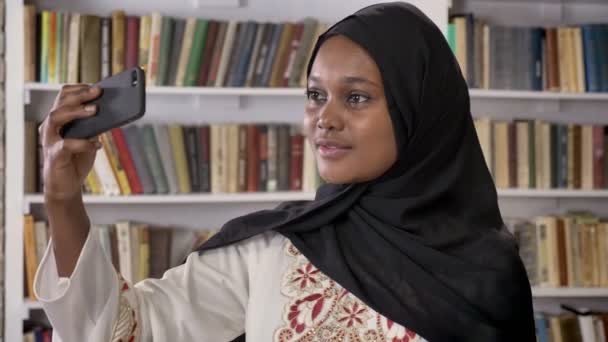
pixel 335 175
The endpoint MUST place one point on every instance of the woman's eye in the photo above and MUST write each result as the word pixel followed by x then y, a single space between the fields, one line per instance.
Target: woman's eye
pixel 357 98
pixel 314 95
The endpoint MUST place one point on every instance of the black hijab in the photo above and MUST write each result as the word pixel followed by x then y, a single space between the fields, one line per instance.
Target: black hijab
pixel 424 245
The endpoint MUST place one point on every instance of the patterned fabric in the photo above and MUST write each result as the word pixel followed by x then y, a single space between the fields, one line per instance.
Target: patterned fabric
pixel 320 310
pixel 126 328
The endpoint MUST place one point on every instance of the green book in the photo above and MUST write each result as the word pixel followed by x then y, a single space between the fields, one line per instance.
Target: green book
pixel 452 36
pixel 532 155
pixel 606 157
pixel 166 33
pixel 44 48
pixel 58 46
pixel 151 151
pixel 194 60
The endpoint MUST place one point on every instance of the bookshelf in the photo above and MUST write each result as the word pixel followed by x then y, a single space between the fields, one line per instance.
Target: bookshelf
pixel 579 292
pixel 244 91
pixel 212 105
pixel 164 104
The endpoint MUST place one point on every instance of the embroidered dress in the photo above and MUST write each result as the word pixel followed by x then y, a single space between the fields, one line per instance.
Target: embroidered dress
pixel 262 286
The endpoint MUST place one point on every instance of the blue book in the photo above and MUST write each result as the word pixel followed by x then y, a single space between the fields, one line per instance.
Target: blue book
pixel 603 59
pixel 562 154
pixel 272 55
pixel 245 57
pixel 137 152
pixel 542 329
pixel 591 56
pixel 536 43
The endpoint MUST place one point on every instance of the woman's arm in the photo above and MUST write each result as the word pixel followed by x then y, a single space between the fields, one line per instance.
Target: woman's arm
pixel 66 164
pixel 204 299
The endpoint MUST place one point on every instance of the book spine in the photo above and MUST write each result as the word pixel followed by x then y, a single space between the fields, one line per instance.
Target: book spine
pixel 204 158
pixel 144 41
pixel 207 56
pixel 283 152
pixel 164 53
pixel 272 181
pixel 242 159
pixel 136 152
pixel 296 160
pixel 196 52
pixel 118 41
pixel 153 53
pixel 150 147
pixel 74 48
pixel 191 143
pixel 176 137
pixel 253 160
pixel 106 48
pixel 263 155
pixel 185 51
pixel 119 172
pixel 126 161
pixel 132 44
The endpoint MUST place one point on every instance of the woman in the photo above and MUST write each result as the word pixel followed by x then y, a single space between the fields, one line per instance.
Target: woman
pixel 404 243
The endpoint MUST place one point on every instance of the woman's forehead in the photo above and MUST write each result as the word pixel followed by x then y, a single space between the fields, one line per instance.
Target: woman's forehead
pixel 339 58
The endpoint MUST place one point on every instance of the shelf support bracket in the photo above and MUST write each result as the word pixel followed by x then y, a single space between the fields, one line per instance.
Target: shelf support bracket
pixel 27 96
pixel 25 207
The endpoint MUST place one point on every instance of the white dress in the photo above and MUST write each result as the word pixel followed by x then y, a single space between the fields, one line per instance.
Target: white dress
pixel 262 286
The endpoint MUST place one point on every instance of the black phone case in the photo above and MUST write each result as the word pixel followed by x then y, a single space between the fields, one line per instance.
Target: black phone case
pixel 123 100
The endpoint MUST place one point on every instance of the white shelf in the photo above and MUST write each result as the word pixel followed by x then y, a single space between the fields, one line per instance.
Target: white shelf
pixel 289 196
pixel 570 292
pixel 537 95
pixel 187 198
pixel 30 304
pixel 552 193
pixel 244 91
pixel 165 90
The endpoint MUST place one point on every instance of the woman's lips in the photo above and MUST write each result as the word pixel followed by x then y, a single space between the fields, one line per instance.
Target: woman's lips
pixel 332 149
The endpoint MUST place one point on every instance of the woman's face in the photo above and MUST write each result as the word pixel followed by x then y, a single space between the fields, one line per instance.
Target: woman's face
pixel 347 120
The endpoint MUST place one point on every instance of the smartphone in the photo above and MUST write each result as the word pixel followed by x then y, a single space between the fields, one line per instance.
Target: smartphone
pixel 122 100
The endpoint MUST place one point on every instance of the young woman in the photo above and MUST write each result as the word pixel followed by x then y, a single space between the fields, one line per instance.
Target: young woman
pixel 405 242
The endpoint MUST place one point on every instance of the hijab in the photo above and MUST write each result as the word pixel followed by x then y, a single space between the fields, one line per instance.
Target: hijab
pixel 424 244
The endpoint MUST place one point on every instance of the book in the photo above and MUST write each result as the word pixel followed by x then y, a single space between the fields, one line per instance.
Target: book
pixel 118 41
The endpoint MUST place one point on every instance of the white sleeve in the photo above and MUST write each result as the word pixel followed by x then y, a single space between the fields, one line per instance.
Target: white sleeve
pixel 204 299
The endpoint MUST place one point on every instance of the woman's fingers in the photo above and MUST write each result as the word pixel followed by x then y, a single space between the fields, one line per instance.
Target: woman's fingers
pixel 75 146
pixel 57 118
pixel 78 95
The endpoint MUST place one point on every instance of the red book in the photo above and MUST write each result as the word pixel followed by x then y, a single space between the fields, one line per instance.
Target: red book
pixel 598 157
pixel 127 161
pixel 205 160
pixel 47 335
pixel 132 45
pixel 296 40
pixel 207 55
pixel 217 53
pixel 297 159
pixel 512 155
pixel 253 158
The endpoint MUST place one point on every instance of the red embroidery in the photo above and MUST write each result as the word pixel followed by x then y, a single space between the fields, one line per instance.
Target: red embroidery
pixel 320 310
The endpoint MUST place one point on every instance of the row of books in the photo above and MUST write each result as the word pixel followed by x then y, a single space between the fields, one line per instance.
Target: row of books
pixel 572 326
pixel 175 159
pixel 564 251
pixel 567 59
pixel 37 332
pixel 530 154
pixel 67 47
pixel 137 250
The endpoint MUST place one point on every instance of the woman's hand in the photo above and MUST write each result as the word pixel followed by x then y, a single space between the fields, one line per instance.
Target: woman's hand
pixel 67 161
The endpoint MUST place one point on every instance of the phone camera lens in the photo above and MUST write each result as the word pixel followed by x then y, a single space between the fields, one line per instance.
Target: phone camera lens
pixel 134 79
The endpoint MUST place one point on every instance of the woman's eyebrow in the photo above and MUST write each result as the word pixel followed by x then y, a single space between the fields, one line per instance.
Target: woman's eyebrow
pixel 358 79
pixel 347 80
